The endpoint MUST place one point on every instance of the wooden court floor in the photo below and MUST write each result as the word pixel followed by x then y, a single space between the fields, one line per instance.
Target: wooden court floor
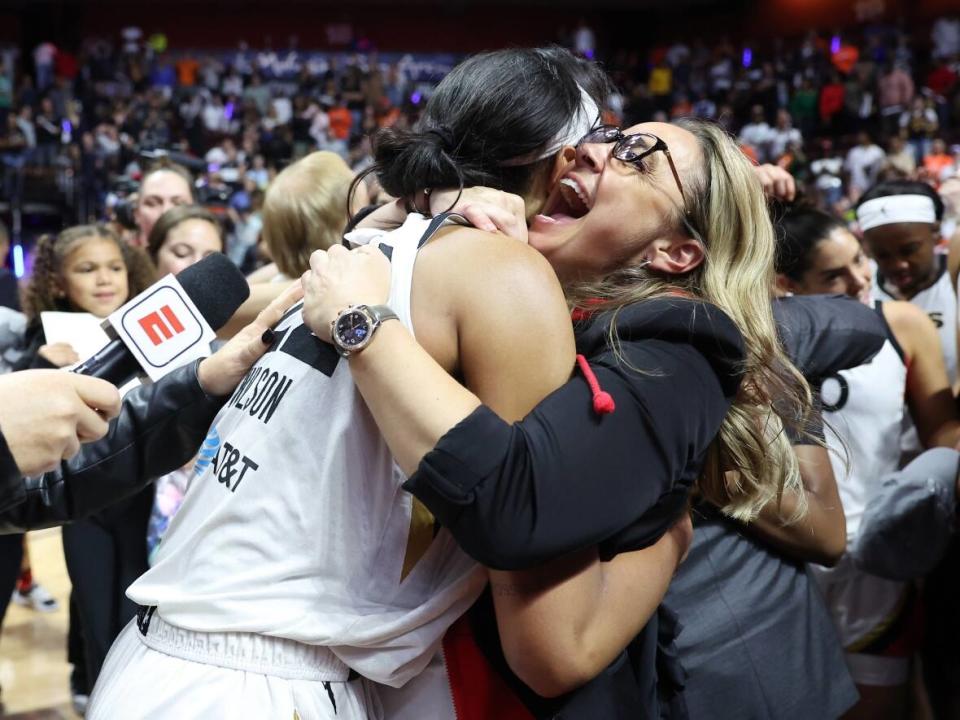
pixel 34 673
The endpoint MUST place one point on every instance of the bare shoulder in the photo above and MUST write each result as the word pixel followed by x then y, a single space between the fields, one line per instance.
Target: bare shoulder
pixel 902 315
pixel 475 265
pixel 472 283
pixel 466 249
pixel 910 325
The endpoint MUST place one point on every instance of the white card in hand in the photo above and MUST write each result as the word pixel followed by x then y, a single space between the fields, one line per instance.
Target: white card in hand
pixel 80 330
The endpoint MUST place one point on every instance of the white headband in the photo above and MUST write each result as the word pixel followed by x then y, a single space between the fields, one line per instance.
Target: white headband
pixel 896 209
pixel 579 125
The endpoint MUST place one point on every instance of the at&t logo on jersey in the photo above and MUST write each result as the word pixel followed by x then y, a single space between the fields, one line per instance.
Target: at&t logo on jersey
pixel 208 451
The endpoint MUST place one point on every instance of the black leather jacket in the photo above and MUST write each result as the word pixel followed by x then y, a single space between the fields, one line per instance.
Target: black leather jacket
pixel 159 429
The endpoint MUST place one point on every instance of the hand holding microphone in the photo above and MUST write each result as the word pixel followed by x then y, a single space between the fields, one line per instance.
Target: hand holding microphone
pixel 157 329
pixel 169 323
pixel 46 414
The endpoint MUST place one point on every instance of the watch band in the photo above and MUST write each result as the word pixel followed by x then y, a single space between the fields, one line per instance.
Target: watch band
pixel 381 313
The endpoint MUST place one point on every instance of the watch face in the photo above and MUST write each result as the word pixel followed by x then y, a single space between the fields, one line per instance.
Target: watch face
pixel 352 329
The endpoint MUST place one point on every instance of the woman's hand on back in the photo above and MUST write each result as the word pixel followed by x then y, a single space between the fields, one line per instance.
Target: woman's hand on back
pixel 486 209
pixel 60 354
pixel 339 278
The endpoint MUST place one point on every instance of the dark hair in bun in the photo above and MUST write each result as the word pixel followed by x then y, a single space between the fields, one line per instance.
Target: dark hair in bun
pixel 487 122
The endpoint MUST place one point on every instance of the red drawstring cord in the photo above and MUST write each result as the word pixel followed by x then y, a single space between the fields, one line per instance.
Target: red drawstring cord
pixel 603 403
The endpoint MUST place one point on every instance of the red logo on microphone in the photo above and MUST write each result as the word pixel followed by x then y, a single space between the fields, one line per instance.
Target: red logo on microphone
pixel 153 323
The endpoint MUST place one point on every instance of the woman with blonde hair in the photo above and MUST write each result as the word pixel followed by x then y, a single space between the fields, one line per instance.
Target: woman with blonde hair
pixel 305 209
pixel 661 238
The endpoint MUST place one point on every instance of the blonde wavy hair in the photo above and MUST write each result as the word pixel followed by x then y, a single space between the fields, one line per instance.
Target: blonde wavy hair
pixel 305 209
pixel 751 461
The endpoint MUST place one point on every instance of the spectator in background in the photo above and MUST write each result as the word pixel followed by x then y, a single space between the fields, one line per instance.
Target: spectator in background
pixel 757 134
pixel 863 164
pixel 232 83
pixel 831 102
pixel 43 57
pixel 163 186
pixel 340 123
pixel 803 107
pixel 214 115
pixel 247 219
pixel 938 164
pixel 945 35
pixel 783 136
pixel 14 150
pixel 187 69
pixel 184 236
pixel 584 40
pixel 943 77
pixel 661 84
pixel 258 94
pixel 920 124
pixel 258 172
pixel 705 108
pixel 895 91
pixel 48 134
pixel 900 158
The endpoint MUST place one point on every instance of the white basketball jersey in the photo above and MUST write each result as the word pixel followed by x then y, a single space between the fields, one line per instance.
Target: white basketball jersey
pixel 939 301
pixel 296 525
pixel 863 412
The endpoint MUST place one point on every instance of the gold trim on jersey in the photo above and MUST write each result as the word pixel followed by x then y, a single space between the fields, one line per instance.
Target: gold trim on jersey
pixel 422 523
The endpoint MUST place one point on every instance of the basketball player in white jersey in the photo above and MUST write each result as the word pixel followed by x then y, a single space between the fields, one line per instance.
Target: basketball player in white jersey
pixel 296 562
pixel 863 409
pixel 900 221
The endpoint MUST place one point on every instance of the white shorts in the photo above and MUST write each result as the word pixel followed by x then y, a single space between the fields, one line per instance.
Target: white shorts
pixel 868 612
pixel 188 675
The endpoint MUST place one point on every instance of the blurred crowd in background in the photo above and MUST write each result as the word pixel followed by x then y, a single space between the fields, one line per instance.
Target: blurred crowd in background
pixel 839 111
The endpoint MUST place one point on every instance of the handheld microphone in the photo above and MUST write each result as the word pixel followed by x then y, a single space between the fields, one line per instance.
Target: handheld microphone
pixel 214 287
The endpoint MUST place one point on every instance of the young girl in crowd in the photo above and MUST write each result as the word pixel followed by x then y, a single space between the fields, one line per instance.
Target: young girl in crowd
pixel 89 269
pixel 864 408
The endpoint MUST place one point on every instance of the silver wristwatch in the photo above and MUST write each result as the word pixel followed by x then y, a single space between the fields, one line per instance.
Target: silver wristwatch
pixel 354 327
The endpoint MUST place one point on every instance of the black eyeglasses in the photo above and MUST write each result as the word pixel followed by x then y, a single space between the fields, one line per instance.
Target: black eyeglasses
pixel 633 148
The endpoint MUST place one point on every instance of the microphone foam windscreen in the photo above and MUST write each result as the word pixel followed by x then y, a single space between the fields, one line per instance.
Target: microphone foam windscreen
pixel 216 287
